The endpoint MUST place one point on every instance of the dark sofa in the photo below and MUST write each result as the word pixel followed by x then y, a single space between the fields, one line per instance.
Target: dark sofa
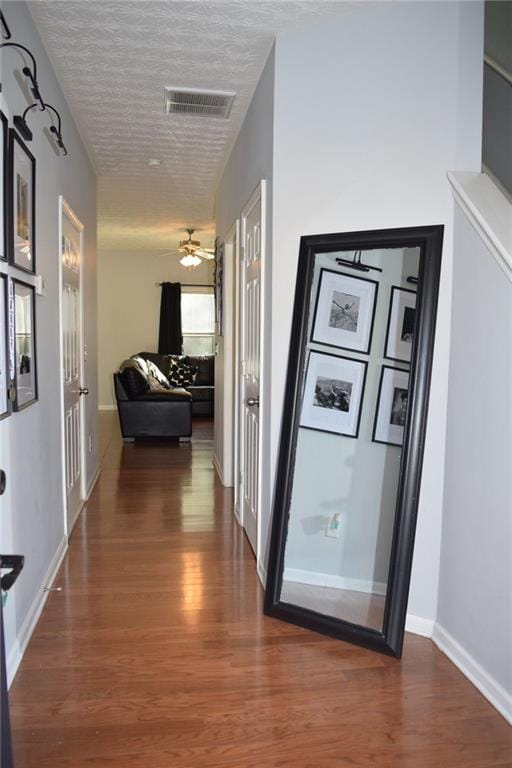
pixel 150 407
pixel 202 389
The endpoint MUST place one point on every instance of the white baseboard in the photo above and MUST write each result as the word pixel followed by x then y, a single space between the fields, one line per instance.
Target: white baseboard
pixel 334 581
pixel 417 625
pixel 236 512
pixel 34 612
pixel 481 679
pixel 93 482
pixel 218 469
pixel 262 574
pixel 107 407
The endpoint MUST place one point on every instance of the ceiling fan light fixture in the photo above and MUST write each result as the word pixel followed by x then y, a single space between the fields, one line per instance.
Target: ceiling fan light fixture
pixel 190 261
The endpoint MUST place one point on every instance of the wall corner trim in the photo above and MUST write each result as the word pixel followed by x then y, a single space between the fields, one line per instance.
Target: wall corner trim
pixel 481 679
pixel 262 574
pixel 417 625
pixel 217 467
pixel 488 210
pixel 34 613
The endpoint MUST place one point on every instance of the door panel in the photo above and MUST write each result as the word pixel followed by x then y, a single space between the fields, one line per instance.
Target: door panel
pixel 250 349
pixel 71 258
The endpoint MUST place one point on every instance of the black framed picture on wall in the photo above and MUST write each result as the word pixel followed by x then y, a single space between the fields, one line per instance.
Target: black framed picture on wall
pixel 344 311
pixel 333 394
pixel 401 321
pixel 4 348
pixel 392 403
pixel 22 204
pixel 25 345
pixel 4 127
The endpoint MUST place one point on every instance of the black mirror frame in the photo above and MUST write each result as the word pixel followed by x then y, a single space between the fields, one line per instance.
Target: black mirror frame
pixel 430 240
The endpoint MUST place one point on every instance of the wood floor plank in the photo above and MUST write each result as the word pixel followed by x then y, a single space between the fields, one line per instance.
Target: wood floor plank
pixel 156 651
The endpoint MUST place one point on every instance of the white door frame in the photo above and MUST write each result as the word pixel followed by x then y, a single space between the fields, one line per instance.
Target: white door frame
pixel 259 193
pixel 65 208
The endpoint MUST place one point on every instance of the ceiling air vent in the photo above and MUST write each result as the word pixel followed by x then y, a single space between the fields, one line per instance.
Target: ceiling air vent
pixel 187 101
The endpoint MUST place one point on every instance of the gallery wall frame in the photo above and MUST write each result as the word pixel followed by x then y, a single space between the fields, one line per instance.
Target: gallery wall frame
pixel 4 156
pixel 400 326
pixel 21 199
pixel 344 311
pixel 333 394
pixel 5 405
pixel 388 639
pixel 25 348
pixel 391 409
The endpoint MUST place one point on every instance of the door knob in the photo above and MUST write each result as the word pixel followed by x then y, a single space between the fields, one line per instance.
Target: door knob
pixel 83 391
pixel 251 401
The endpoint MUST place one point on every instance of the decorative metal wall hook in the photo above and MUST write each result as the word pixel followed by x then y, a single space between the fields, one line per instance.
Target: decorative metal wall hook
pixel 29 74
pixel 21 125
pixel 356 263
pixel 6 32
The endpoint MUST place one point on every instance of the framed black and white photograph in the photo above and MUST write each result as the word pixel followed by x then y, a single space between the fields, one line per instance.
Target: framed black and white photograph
pixel 392 403
pixel 333 394
pixel 22 191
pixel 218 281
pixel 344 311
pixel 401 320
pixel 24 345
pixel 4 349
pixel 3 184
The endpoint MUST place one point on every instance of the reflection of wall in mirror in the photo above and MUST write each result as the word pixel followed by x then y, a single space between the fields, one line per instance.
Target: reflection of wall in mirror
pixel 355 477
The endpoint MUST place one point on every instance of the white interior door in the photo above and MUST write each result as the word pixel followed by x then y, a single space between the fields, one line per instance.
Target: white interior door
pixel 250 365
pixel 71 242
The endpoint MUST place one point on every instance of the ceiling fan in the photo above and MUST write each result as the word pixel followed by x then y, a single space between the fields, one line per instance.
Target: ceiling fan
pixel 193 253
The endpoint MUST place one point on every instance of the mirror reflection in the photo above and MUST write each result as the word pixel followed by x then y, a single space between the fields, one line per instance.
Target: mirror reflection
pixel 361 320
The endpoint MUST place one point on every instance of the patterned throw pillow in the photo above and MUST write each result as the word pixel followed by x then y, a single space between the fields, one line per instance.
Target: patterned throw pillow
pixel 181 374
pixel 156 379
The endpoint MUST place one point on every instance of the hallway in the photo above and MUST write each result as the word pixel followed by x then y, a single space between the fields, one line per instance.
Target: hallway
pixel 156 653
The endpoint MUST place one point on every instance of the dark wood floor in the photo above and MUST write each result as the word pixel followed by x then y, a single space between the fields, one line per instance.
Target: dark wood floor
pixel 156 653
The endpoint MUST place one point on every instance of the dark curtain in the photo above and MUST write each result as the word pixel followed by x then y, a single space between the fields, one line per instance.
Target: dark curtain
pixel 170 339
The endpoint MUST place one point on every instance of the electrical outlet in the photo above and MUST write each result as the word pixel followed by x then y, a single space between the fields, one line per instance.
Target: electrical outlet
pixel 332 529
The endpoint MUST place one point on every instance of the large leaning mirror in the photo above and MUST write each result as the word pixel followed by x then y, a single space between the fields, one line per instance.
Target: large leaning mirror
pixel 353 433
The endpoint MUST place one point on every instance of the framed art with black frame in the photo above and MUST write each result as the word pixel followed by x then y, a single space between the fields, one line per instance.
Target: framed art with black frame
pixel 333 394
pixel 391 411
pixel 344 311
pixel 25 345
pixel 22 205
pixel 400 328
pixel 5 408
pixel 355 589
pixel 4 126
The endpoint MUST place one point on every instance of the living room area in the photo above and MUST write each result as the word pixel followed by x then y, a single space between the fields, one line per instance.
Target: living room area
pixel 156 337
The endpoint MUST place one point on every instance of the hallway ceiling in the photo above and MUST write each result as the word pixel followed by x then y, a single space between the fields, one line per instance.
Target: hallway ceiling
pixel 113 60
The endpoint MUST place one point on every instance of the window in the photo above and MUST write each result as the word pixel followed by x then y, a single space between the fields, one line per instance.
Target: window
pixel 198 323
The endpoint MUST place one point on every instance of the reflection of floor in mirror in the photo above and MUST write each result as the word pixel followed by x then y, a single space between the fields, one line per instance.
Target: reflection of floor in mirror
pixel 357 607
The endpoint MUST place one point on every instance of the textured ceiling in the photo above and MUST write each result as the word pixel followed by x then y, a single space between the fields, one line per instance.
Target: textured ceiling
pixel 113 60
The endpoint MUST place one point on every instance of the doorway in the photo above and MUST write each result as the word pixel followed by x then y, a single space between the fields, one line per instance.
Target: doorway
pixel 249 359
pixel 71 236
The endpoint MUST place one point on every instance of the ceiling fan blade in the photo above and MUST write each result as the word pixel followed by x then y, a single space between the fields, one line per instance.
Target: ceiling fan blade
pixel 205 253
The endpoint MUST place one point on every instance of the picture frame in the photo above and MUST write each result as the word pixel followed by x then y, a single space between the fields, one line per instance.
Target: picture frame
pixel 333 394
pixel 400 327
pixel 218 280
pixel 344 311
pixel 4 157
pixel 5 407
pixel 22 205
pixel 25 345
pixel 392 403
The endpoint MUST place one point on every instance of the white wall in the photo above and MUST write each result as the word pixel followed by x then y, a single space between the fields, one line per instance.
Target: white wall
pixel 32 510
pixel 129 306
pixel 250 161
pixel 475 585
pixel 369 116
